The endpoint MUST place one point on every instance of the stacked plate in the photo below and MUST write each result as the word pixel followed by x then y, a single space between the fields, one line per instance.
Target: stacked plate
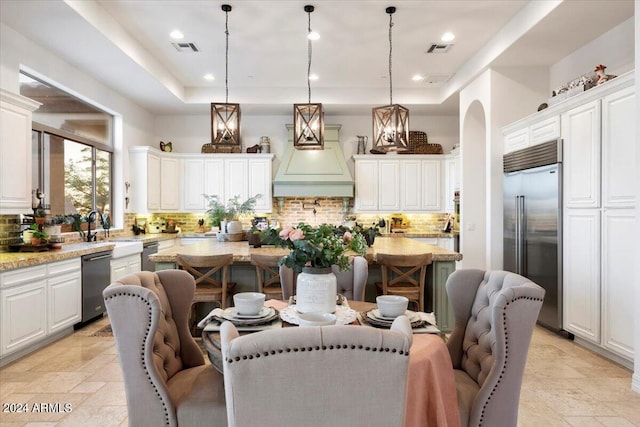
pixel 266 315
pixel 374 318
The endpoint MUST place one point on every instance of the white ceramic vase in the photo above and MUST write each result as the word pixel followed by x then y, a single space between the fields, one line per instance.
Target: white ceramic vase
pixel 316 291
pixel 234 227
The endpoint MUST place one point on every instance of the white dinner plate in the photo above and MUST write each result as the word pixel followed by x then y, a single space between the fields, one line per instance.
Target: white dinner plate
pixel 375 315
pixel 344 315
pixel 231 314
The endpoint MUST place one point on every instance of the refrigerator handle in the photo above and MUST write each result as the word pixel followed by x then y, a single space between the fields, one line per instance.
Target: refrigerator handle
pixel 521 263
pixel 517 234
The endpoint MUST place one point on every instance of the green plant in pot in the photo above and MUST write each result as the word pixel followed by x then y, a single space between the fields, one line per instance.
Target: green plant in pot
pixel 228 214
pixel 37 235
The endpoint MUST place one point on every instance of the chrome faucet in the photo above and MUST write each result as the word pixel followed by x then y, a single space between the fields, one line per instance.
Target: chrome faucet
pixel 90 218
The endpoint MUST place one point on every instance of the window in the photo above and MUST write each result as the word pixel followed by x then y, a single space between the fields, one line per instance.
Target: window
pixel 72 151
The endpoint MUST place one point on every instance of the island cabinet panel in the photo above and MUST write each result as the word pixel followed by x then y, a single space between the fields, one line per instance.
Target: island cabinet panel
pixel 38 304
pixel 15 152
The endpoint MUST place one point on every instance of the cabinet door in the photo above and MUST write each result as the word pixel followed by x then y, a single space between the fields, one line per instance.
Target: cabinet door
pixel 24 315
pixel 388 185
pixel 118 269
pixel 516 140
pixel 194 185
pixel 214 178
pixel 366 172
pixel 452 177
pixel 236 179
pixel 169 184
pixel 581 276
pixel 618 263
pixel 134 264
pixel 544 131
pixel 260 183
pixel 65 301
pixel 410 185
pixel 15 153
pixel 153 182
pixel 581 135
pixel 619 175
pixel 431 185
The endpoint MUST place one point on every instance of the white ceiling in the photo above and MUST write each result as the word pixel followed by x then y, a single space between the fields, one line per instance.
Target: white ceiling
pixel 126 45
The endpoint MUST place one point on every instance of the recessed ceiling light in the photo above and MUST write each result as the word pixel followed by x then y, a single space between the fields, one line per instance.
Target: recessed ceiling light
pixel 417 78
pixel 313 35
pixel 209 77
pixel 448 37
pixel 313 77
pixel 176 34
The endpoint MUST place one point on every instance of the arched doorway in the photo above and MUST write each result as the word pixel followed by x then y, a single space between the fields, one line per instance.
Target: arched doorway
pixel 473 205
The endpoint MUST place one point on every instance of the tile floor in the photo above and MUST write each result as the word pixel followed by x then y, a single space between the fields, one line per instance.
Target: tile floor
pixel 564 385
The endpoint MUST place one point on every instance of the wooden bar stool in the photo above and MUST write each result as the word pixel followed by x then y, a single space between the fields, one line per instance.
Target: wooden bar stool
pixel 208 288
pixel 268 274
pixel 399 276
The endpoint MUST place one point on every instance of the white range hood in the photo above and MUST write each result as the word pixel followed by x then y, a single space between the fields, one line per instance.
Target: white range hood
pixel 314 173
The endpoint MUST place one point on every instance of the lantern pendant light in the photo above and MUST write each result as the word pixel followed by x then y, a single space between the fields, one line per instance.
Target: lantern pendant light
pixel 390 122
pixel 308 119
pixel 225 117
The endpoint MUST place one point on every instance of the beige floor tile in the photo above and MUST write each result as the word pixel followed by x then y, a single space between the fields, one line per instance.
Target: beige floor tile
pixel 112 394
pixel 55 382
pixel 95 416
pixel 109 372
pixel 615 422
pixel 628 409
pixel 88 387
pixel 40 424
pixel 573 402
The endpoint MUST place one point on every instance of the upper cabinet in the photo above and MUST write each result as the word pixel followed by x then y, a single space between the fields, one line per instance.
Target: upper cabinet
pixel 412 183
pixel 533 134
pixel 164 182
pixel 15 152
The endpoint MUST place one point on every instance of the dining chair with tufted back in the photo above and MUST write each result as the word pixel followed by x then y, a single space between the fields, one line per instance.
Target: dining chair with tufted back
pixel 317 376
pixel 166 380
pixel 495 314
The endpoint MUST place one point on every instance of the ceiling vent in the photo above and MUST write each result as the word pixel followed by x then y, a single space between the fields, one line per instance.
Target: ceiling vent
pixel 439 48
pixel 185 47
pixel 437 79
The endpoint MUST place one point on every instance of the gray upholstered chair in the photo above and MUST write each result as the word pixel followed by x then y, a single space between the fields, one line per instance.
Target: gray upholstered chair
pixel 350 283
pixel 317 376
pixel 495 314
pixel 165 378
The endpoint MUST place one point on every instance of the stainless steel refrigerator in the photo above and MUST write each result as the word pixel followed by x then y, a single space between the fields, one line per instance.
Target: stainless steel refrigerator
pixel 533 222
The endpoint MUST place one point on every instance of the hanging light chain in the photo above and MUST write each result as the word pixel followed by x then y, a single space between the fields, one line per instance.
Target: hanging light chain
pixel 226 55
pixel 309 54
pixel 390 57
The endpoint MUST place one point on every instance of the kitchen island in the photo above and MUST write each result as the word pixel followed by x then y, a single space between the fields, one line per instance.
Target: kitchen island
pixel 243 273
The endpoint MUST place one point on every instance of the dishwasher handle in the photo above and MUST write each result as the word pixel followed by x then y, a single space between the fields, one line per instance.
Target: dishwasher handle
pixel 150 245
pixel 96 258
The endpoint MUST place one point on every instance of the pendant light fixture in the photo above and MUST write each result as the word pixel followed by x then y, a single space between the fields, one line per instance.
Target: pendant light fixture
pixel 308 119
pixel 225 117
pixel 390 122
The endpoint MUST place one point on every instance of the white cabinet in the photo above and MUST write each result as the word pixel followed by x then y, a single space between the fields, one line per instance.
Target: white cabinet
pixel 617 285
pixel 452 182
pixel 170 184
pixel 155 181
pixel 121 267
pixel 194 185
pixel 581 167
pixel 600 176
pixel 408 184
pixel 581 273
pixel 166 244
pixel 532 133
pixel 619 176
pixel 260 183
pixel 15 152
pixel 37 302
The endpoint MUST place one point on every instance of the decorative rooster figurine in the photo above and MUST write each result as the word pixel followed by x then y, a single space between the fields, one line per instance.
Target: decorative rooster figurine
pixel 601 76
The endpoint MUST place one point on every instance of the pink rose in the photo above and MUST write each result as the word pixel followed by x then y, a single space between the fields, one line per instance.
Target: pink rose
pixel 347 236
pixel 296 234
pixel 284 234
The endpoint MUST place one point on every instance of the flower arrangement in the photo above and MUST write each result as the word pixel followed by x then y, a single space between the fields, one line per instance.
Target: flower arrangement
pixel 319 247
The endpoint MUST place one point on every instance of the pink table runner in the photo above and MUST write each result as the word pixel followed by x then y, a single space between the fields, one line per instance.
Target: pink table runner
pixel 431 387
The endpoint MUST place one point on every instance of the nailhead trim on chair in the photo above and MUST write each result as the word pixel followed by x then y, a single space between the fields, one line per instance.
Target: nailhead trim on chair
pixel 506 357
pixel 142 352
pixel 316 348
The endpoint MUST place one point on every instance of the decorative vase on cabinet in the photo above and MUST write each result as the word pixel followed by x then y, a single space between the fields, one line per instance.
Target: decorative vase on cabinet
pixel 316 290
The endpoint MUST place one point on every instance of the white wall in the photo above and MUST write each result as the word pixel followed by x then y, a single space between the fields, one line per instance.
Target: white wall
pixel 188 133
pixel 613 49
pixel 134 125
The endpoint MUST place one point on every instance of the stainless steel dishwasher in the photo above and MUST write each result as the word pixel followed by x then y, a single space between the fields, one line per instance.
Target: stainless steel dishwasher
pixel 149 249
pixel 96 275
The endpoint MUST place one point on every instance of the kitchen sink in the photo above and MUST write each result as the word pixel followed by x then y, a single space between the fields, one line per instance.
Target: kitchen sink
pixel 123 249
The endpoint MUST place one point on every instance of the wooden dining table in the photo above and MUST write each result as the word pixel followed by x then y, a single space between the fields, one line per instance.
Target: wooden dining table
pixel 431 390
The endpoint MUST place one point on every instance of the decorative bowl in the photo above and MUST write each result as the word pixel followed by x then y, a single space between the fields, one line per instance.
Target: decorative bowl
pixel 392 305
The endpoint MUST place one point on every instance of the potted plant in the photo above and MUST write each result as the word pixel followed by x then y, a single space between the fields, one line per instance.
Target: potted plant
pixel 216 210
pixel 226 216
pixel 40 216
pixel 37 235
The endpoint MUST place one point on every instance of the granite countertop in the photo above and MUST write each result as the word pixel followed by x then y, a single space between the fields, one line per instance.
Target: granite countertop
pixel 416 232
pixel 146 238
pixel 242 251
pixel 14 260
